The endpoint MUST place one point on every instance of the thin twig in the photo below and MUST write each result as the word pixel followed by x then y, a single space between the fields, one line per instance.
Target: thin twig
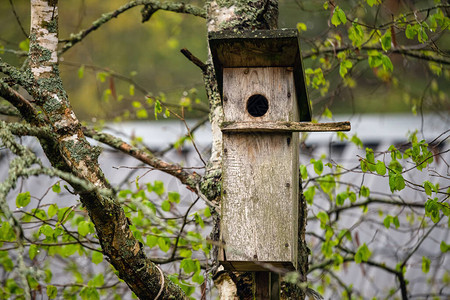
pixel 195 60
pixel 18 19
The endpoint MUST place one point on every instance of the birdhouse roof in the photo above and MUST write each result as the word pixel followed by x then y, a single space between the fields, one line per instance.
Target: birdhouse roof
pixel 261 48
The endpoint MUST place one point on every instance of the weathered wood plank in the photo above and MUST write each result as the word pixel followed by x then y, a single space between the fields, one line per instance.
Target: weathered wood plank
pixel 281 126
pixel 259 202
pixel 276 84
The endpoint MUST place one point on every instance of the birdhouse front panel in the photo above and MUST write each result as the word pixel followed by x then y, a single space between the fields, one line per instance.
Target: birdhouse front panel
pixel 259 94
pixel 260 201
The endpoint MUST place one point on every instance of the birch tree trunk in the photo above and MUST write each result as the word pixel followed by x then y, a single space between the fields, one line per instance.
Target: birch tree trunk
pixel 77 156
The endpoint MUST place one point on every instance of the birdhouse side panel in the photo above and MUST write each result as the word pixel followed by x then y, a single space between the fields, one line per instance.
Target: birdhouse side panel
pixel 260 201
pixel 276 84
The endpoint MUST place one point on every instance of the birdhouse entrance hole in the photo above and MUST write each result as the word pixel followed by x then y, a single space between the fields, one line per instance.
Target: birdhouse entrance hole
pixel 257 105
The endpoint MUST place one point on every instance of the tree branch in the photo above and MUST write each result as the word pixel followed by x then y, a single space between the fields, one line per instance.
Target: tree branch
pixel 155 5
pixel 190 180
pixel 25 108
pixel 194 60
pixel 403 51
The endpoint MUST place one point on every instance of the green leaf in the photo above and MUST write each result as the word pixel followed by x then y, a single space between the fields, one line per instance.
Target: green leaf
pixel 190 265
pixel 46 230
pixel 48 275
pixel 386 40
pixel 97 257
pixel 199 220
pixel 429 187
pixel 25 45
pixel 410 31
pixel 84 228
pixel 81 72
pixel 164 244
pixel 97 281
pixel 444 247
pixel 131 90
pixel 106 95
pixel 355 140
pixel 165 205
pixel 198 278
pixel 52 210
pixel 33 251
pixel 207 212
pixel 301 27
pixel 142 113
pixel 89 293
pixel 338 17
pixel 327 183
pixel 387 64
pixel 422 34
pixel 23 199
pixel 356 34
pixel 432 210
pixel 396 182
pixel 380 167
pixel 151 241
pixel 396 222
pixel 387 222
pixel 65 214
pixel 166 113
pixel 52 291
pixel 303 172
pixel 174 197
pixel 327 113
pixel 340 198
pixel 364 192
pixel 344 66
pixel 352 197
pixel 373 2
pixel 374 59
pixel 102 76
pixel 362 254
pixel 309 194
pixel 68 250
pixel 426 262
pixel 158 108
pixel 158 187
pixel 323 217
pixel 186 253
pixel 318 166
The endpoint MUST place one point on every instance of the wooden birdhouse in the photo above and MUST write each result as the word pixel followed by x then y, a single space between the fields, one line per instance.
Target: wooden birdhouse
pixel 261 78
pixel 265 103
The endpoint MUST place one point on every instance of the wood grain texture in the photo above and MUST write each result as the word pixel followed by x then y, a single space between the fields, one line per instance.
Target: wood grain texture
pixel 276 84
pixel 260 201
pixel 284 126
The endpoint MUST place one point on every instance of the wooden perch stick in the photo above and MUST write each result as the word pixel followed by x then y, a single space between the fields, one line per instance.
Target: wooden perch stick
pixel 284 126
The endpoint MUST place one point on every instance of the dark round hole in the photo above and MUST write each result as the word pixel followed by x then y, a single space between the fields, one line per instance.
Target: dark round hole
pixel 257 105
